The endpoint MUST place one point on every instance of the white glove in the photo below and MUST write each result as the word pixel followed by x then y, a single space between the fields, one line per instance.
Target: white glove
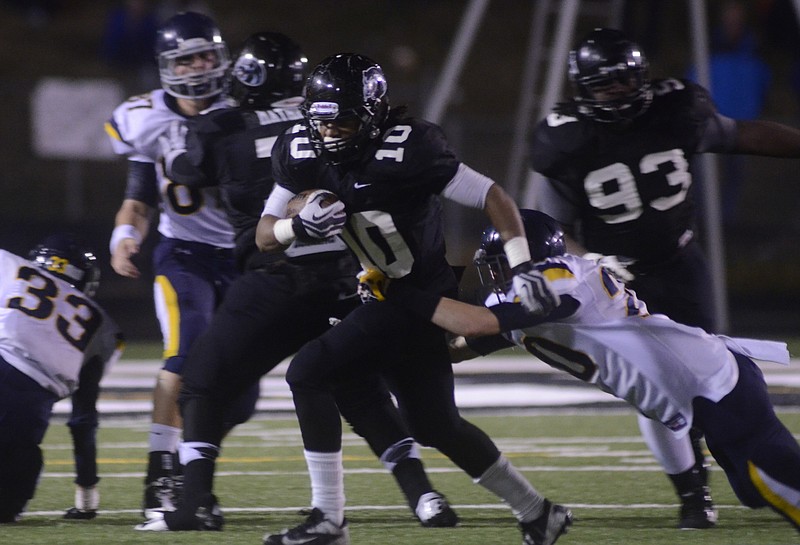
pixel 618 266
pixel 533 290
pixel 314 222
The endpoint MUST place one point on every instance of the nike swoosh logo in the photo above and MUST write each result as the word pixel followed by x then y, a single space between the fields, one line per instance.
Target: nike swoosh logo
pixel 360 185
pixel 323 215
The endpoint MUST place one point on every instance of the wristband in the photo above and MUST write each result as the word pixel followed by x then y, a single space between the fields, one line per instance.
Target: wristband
pixel 284 232
pixel 517 251
pixel 120 232
pixel 512 316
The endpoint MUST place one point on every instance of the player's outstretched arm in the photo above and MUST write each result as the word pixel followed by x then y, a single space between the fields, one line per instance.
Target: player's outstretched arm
pixel 756 137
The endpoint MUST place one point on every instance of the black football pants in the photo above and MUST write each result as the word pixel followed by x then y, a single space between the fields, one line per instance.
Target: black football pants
pixel 412 355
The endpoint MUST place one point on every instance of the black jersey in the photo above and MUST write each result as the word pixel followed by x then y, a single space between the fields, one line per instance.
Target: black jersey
pixel 629 186
pixel 391 197
pixel 232 148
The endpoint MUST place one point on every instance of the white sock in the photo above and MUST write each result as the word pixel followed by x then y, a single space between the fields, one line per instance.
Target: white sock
pixel 164 437
pixel 674 454
pixel 505 481
pixel 327 483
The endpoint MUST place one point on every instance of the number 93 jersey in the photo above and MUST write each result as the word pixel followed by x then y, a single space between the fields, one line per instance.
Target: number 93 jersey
pixel 186 213
pixel 48 329
pixel 628 185
pixel 391 197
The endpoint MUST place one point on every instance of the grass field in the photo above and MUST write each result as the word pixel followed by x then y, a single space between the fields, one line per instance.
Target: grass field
pixel 593 462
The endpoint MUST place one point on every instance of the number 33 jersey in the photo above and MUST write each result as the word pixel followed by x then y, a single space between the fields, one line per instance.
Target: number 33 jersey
pixel 627 185
pixel 193 214
pixel 48 329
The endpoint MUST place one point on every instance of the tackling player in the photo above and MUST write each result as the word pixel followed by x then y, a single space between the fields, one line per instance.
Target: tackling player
pixel 601 333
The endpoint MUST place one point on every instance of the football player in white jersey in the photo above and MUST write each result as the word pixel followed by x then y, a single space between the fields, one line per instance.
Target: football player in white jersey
pixel 193 259
pixel 603 334
pixel 55 341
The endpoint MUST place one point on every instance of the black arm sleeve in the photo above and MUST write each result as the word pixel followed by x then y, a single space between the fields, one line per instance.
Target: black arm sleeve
pixel 487 345
pixel 185 173
pixel 142 184
pixel 513 316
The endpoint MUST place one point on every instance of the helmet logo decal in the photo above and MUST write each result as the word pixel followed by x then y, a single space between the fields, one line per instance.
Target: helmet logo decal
pixel 249 71
pixel 325 110
pixel 374 83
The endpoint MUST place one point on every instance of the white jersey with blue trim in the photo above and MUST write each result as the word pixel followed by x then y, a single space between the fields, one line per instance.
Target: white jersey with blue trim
pixel 657 365
pixel 193 214
pixel 48 329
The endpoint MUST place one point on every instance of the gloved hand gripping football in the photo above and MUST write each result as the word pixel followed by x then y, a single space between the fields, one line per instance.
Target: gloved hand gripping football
pixel 321 217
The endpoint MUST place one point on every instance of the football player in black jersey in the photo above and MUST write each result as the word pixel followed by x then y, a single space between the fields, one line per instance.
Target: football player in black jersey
pixel 617 161
pixel 280 301
pixel 389 172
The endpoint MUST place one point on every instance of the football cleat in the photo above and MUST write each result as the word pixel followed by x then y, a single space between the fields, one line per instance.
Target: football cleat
pixel 73 513
pixel 207 517
pixel 87 500
pixel 433 511
pixel 697 510
pixel 551 524
pixel 163 494
pixel 154 522
pixel 316 530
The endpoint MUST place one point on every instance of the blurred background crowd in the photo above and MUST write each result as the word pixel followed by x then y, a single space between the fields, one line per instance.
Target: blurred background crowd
pixel 67 63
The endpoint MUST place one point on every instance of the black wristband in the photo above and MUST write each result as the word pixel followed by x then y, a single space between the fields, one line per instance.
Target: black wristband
pixel 414 299
pixel 512 316
pixel 300 231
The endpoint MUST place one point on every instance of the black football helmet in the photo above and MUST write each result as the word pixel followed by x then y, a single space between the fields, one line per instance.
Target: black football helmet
pixel 606 57
pixel 187 34
pixel 545 239
pixel 63 256
pixel 269 68
pixel 345 87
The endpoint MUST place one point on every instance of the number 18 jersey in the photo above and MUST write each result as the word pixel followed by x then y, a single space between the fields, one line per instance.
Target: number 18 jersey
pixel 186 213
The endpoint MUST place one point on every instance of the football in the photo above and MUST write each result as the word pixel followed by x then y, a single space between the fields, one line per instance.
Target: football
pixel 297 202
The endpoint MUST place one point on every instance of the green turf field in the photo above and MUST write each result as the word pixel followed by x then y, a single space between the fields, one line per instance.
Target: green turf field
pixel 593 462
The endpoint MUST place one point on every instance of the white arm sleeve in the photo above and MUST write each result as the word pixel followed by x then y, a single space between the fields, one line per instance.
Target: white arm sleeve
pixel 275 205
pixel 468 187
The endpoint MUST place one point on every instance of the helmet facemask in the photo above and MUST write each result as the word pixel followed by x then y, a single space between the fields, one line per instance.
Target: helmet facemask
pixel 494 273
pixel 350 92
pixel 194 85
pixel 545 239
pixel 610 77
